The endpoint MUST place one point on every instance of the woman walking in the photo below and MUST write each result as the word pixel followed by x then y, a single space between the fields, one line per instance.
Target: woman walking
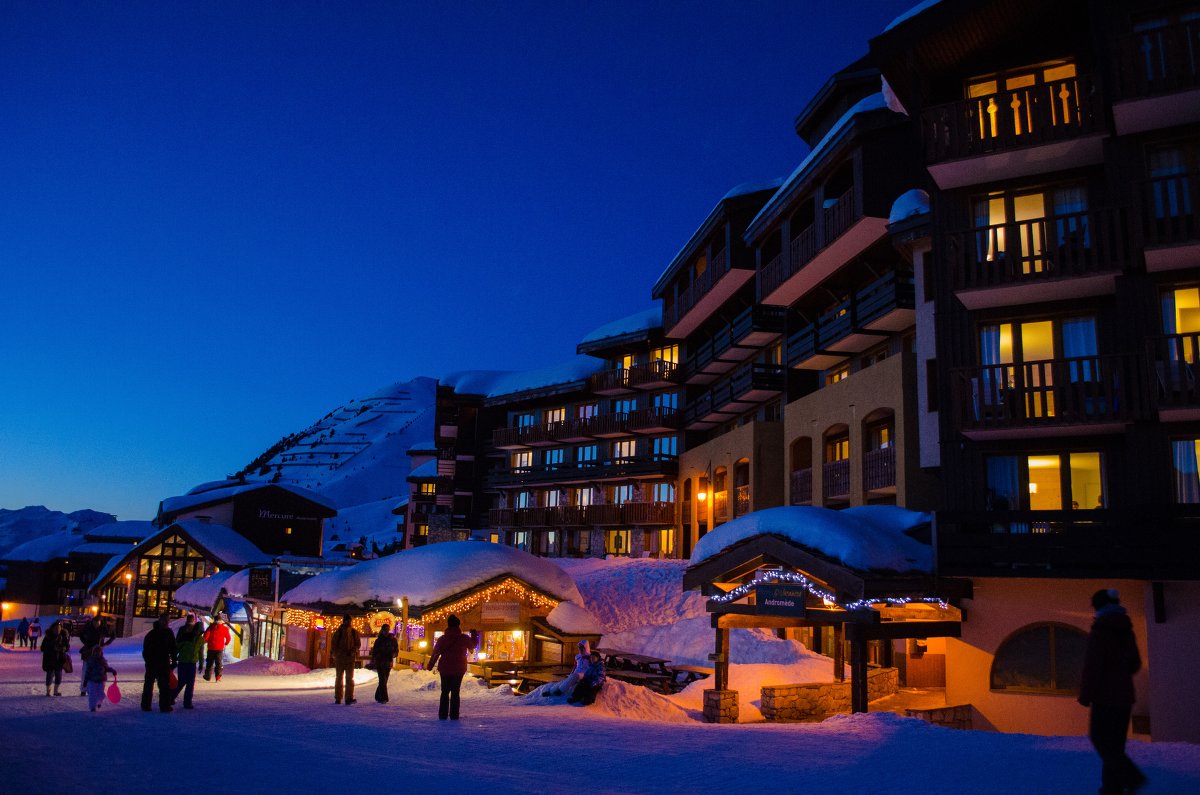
pixel 95 674
pixel 55 647
pixel 382 653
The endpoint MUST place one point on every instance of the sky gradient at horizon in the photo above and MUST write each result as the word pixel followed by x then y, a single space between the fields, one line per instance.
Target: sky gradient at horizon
pixel 222 220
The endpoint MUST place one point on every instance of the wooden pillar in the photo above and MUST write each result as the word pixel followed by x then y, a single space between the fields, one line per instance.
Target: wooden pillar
pixel 721 664
pixel 886 656
pixel 839 653
pixel 858 675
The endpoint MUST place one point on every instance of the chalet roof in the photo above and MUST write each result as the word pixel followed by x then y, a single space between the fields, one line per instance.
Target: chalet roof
pixel 632 328
pixel 173 506
pixel 857 77
pixel 220 544
pixel 121 531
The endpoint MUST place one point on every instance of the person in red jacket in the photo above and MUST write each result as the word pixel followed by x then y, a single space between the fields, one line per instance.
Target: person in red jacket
pixel 450 655
pixel 217 637
pixel 1106 686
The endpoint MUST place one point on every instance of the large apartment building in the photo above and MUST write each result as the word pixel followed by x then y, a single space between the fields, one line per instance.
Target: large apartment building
pixel 1063 260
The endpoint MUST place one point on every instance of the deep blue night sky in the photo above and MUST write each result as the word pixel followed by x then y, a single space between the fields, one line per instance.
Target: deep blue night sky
pixel 220 220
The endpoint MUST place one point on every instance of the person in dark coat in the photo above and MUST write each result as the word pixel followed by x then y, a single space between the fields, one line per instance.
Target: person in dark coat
pixel 1106 686
pixel 158 650
pixel 55 648
pixel 91 636
pixel 383 652
pixel 343 650
pixel 23 632
pixel 188 641
pixel 593 680
pixel 450 656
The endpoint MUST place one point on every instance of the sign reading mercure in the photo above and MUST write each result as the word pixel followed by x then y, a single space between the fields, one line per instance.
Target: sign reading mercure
pixel 779 599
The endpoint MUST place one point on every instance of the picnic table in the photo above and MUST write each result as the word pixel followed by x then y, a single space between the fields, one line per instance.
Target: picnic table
pixel 616 660
pixel 684 675
pixel 654 681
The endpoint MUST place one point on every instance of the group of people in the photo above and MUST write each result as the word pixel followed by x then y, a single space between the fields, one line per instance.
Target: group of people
pixel 28 633
pixel 181 652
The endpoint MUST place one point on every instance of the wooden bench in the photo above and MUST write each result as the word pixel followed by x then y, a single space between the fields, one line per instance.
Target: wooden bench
pixel 532 679
pixel 658 682
pixel 405 659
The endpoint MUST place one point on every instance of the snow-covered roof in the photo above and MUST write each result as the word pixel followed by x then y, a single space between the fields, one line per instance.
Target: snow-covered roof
pixel 577 369
pixel 421 447
pixel 127 529
pixel 747 188
pixel 427 470
pixel 103 548
pixel 212 485
pixel 907 204
pixel 866 538
pixel 224 544
pixel 193 499
pixel 202 593
pixel 570 618
pixel 430 574
pixel 473 382
pixel 912 12
pixel 873 102
pixel 47 548
pixel 645 320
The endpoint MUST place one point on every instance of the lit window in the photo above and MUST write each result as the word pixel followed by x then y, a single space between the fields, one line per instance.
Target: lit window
pixel 839 374
pixel 669 354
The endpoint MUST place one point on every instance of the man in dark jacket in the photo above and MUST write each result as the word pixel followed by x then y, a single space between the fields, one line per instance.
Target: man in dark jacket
pixel 1106 686
pixel 382 653
pixel 158 650
pixel 450 656
pixel 343 650
pixel 91 635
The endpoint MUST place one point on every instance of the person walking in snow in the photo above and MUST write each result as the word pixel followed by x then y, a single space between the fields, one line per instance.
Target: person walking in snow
pixel 23 633
pixel 188 641
pixel 567 686
pixel 95 674
pixel 593 680
pixel 450 656
pixel 217 637
pixel 1106 686
pixel 55 648
pixel 343 648
pixel 35 632
pixel 158 650
pixel 383 652
pixel 91 636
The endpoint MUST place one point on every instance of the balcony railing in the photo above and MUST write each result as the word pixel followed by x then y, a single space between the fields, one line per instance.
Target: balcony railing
pixel 1171 209
pixel 1141 544
pixel 1175 358
pixel 892 291
pixel 840 215
pixel 1072 244
pixel 611 381
pixel 836 480
pixel 1082 389
pixel 879 469
pixel 808 242
pixel 720 506
pixel 1161 61
pixel 718 266
pixel 1054 111
pixel 645 513
pixel 760 320
pixel 656 418
pixel 741 500
pixel 605 469
pixel 657 372
pixel 801 486
pixel 630 513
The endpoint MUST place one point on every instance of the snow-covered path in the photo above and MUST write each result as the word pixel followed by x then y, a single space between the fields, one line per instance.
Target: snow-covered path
pixel 257 733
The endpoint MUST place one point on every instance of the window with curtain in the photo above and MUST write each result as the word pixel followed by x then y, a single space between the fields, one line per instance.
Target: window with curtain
pixel 1187 476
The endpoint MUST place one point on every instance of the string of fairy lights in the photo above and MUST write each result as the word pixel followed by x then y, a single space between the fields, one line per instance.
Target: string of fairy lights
pixel 816 590
pixel 508 587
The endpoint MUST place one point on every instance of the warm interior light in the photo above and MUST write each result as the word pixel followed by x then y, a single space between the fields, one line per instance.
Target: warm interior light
pixel 287 531
pixel 702 496
pixel 481 656
pixel 422 644
pixel 517 634
pixel 95 609
pixel 128 576
pixel 1032 488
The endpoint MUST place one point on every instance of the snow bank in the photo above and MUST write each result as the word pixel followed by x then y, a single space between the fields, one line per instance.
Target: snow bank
pixel 907 204
pixel 265 666
pixel 867 538
pixel 625 593
pixel 689 642
pixel 572 619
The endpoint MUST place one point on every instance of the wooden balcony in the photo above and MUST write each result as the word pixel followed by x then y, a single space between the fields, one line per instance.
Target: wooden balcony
pixel 1176 372
pixel 754 328
pixel 704 296
pixel 509 438
pixel 611 382
pixel 654 419
pixel 640 514
pixel 647 467
pixel 984 139
pixel 879 471
pixel 1161 543
pixel 750 385
pixel 1171 221
pixel 1076 396
pixel 659 374
pixel 842 232
pixel 883 307
pixel 1159 78
pixel 1064 256
pixel 801 487
pixel 501 518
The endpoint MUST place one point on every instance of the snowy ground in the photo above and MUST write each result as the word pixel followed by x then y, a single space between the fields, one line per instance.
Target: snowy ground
pixel 265 729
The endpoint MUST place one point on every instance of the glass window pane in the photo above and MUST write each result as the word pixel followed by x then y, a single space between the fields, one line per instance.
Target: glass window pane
pixel 1069 647
pixel 1045 483
pixel 1087 480
pixel 1184 454
pixel 1023 661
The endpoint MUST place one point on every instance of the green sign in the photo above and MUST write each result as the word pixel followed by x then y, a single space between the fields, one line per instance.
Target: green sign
pixel 779 599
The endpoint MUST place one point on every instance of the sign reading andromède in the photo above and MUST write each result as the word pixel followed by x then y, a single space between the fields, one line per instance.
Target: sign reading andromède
pixel 779 599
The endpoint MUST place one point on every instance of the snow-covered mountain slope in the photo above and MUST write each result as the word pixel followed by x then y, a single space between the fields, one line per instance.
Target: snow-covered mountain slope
pixel 36 521
pixel 357 455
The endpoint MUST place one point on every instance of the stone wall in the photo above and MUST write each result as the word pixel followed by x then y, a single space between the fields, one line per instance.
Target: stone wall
pixel 720 706
pixel 958 717
pixel 816 701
